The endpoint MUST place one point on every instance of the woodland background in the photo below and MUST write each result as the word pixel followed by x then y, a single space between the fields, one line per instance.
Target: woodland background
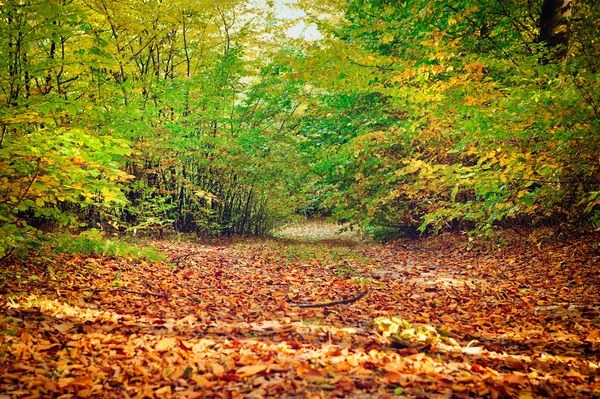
pixel 204 117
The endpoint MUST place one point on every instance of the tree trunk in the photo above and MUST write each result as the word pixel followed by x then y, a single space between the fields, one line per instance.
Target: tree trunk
pixel 554 26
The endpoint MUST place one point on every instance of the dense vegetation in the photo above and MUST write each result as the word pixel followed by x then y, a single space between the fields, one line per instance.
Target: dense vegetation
pixel 468 113
pixel 203 117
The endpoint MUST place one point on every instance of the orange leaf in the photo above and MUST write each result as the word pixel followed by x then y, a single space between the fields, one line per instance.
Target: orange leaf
pixel 246 371
pixel 217 369
pixel 26 337
pixel 83 381
pixel 575 375
pixel 201 381
pixel 515 378
pixel 65 381
pixel 593 336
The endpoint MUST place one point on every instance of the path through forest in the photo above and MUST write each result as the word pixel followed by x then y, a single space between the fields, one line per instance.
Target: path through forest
pixel 218 320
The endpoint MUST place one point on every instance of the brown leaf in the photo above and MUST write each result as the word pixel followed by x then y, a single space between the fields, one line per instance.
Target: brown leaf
pixel 515 378
pixel 311 374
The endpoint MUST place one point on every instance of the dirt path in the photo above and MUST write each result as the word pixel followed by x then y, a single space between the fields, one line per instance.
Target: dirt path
pixel 320 231
pixel 216 321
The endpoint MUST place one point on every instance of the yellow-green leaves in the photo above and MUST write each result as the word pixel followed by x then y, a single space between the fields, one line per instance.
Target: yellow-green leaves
pixel 49 166
pixel 487 131
pixel 403 333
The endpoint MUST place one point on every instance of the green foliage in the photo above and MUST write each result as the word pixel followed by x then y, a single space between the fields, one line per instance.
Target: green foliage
pixel 483 126
pixel 410 116
pixel 97 93
pixel 94 242
pixel 210 144
pixel 50 167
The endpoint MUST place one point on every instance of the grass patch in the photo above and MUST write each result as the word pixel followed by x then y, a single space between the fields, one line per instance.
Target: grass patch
pixel 345 271
pixel 309 253
pixel 94 242
pixel 299 253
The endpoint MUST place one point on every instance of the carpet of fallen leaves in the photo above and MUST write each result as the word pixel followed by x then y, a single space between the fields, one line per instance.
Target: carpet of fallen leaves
pixel 217 320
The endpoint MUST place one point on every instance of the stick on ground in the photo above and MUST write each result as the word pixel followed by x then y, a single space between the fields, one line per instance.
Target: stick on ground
pixel 332 303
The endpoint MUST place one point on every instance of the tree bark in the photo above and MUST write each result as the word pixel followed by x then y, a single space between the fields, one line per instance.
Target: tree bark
pixel 554 26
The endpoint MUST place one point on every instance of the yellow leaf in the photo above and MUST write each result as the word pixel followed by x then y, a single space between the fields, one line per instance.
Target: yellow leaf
pixel 165 344
pixel 453 193
pixel 388 38
pixel 413 166
pixel 39 202
pixel 64 327
pixel 109 195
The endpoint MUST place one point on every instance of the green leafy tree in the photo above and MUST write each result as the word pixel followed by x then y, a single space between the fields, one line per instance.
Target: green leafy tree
pixel 206 123
pixel 499 113
pixel 128 115
pixel 49 162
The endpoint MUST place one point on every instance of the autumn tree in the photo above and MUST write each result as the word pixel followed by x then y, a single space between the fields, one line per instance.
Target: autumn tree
pixel 50 162
pixel 485 132
pixel 133 116
pixel 188 92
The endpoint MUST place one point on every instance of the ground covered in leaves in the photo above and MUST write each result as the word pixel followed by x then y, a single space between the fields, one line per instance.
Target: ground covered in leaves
pixel 220 320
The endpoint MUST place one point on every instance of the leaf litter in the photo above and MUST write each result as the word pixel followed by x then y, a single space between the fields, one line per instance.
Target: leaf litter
pixel 441 319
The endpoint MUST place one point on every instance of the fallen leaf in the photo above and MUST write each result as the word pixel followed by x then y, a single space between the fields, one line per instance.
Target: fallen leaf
pixel 246 371
pixel 165 344
pixel 217 369
pixel 64 327
pixel 515 378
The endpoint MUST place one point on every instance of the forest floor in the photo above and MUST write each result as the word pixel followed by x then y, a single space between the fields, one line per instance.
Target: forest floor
pixel 221 319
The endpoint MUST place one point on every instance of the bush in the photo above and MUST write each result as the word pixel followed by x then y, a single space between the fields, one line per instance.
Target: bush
pixel 93 242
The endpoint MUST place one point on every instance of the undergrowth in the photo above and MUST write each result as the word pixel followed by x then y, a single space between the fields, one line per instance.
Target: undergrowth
pixel 94 242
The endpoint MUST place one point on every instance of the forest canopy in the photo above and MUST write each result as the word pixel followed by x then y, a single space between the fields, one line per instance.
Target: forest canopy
pixel 205 117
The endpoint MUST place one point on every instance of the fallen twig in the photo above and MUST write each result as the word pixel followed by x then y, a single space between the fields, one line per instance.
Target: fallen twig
pixel 332 303
pixel 114 290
